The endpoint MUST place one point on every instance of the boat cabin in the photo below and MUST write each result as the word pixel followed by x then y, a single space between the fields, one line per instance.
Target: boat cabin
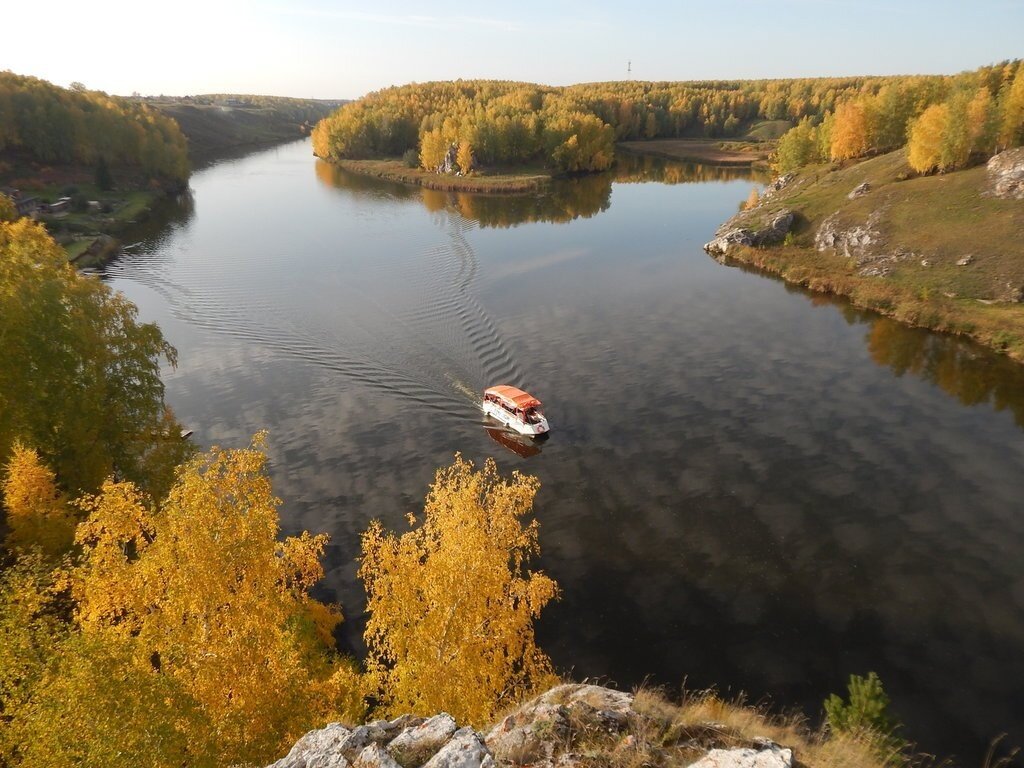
pixel 515 408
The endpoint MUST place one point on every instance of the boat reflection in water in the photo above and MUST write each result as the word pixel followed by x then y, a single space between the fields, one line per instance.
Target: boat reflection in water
pixel 520 445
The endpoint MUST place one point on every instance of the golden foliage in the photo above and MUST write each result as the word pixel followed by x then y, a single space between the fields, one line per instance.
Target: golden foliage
pixel 1011 128
pixel 451 602
pixel 850 131
pixel 31 630
pixel 924 150
pixel 204 587
pixel 97 706
pixel 464 158
pixel 38 515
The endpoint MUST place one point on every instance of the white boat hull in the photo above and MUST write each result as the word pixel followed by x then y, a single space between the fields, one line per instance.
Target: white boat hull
pixel 498 413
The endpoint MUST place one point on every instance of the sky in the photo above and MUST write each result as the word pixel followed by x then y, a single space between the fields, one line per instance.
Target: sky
pixel 332 49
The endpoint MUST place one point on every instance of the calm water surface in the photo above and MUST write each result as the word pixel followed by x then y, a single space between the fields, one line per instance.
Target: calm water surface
pixel 746 486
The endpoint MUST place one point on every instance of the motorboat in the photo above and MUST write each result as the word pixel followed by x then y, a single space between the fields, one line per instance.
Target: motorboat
pixel 517 410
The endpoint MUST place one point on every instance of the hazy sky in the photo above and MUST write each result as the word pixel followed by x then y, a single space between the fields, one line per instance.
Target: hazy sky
pixel 329 49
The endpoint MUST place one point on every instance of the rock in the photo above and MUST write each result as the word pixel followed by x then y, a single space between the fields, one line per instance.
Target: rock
pixel 777 229
pixel 859 191
pixel 780 182
pixel 318 749
pixel 1012 293
pixel 764 756
pixel 855 242
pixel 375 756
pixel 531 733
pixel 416 745
pixel 925 263
pixel 720 245
pixel 965 260
pixel 1006 174
pixel 773 232
pixel 465 750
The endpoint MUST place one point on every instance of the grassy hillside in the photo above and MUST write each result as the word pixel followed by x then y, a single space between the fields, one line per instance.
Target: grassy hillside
pixel 939 252
pixel 218 124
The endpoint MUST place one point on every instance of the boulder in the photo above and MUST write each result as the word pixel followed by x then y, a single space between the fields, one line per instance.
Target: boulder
pixel 375 756
pixel 774 230
pixel 766 755
pixel 777 229
pixel 963 262
pixel 465 750
pixel 1006 174
pixel 318 749
pixel 416 745
pixel 859 191
pixel 720 245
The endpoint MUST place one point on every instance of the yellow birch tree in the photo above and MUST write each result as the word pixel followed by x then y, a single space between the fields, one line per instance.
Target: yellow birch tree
pixel 452 603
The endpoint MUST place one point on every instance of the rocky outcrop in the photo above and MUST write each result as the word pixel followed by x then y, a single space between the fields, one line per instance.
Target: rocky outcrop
pixel 1006 174
pixel 563 728
pixel 859 191
pixel 772 230
pixel 533 733
pixel 764 755
pixel 863 244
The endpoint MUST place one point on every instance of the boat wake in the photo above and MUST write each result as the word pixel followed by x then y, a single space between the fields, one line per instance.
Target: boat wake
pixel 409 324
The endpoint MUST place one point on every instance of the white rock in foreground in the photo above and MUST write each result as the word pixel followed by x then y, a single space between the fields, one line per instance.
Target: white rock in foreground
pixel 773 756
pixel 465 750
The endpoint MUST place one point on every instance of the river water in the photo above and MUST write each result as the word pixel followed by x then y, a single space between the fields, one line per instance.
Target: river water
pixel 747 486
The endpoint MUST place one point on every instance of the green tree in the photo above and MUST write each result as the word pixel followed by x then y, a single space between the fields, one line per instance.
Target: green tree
pixel 452 602
pixel 8 211
pixel 79 376
pixel 104 180
pixel 865 714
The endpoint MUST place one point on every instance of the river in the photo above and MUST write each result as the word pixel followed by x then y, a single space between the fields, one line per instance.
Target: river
pixel 747 486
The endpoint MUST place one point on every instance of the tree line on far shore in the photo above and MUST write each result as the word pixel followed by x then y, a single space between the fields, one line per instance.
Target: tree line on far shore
pixel 462 125
pixel 54 125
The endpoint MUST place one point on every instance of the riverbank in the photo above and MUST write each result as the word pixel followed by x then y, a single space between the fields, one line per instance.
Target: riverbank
pixel 710 151
pixel 940 252
pixel 528 180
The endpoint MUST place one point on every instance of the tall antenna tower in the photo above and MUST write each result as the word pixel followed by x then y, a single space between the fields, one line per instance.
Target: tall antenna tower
pixel 629 68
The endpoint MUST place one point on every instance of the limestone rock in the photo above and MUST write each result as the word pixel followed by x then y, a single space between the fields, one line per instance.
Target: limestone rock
pixel 1006 174
pixel 465 750
pixel 318 749
pixel 415 745
pixel 765 756
pixel 965 260
pixel 720 245
pixel 859 191
pixel 774 230
pixel 375 756
pixel 531 734
pixel 856 242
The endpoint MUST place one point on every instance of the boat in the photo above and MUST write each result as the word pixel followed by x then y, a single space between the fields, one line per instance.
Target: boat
pixel 517 410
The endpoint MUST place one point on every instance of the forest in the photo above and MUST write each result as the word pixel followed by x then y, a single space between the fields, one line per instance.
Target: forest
pixel 54 125
pixel 151 612
pixel 497 123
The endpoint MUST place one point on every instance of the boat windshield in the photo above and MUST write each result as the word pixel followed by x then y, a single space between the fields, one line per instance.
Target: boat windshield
pixel 533 416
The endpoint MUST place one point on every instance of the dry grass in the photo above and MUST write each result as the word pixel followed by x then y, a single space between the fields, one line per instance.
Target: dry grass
pixel 704 720
pixel 936 220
